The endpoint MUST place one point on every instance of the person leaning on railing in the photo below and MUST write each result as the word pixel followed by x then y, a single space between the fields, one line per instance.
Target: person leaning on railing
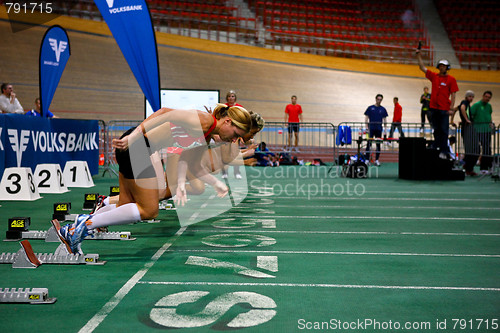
pixel 481 118
pixel 467 131
pixel 36 111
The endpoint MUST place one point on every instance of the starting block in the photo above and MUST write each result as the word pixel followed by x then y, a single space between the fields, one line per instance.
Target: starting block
pixel 166 205
pixel 17 225
pixel 114 190
pixel 61 212
pixel 19 229
pixel 51 235
pixel 26 257
pixel 90 200
pixel 18 184
pixel 28 295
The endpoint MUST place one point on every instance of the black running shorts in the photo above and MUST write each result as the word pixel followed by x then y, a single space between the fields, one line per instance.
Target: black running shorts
pixel 125 166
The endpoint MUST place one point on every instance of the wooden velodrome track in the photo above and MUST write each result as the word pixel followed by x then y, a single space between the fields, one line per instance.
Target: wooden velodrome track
pixel 97 83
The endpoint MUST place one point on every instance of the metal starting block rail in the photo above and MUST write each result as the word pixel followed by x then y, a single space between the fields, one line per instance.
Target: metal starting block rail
pixel 26 257
pixel 51 235
pixel 67 217
pixel 166 205
pixel 28 295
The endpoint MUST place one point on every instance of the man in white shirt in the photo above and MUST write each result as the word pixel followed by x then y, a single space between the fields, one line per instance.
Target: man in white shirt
pixel 8 100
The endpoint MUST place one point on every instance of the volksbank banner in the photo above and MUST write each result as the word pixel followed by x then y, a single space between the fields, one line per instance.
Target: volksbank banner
pixel 28 141
pixel 54 54
pixel 131 26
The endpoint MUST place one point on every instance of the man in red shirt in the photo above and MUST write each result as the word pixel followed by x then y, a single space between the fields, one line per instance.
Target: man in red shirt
pixel 396 119
pixel 293 115
pixel 444 86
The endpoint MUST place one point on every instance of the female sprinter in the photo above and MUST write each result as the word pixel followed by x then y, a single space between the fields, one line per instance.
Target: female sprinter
pixel 139 179
pixel 212 161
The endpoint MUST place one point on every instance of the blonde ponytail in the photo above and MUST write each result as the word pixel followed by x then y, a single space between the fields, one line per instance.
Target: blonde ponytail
pixel 240 117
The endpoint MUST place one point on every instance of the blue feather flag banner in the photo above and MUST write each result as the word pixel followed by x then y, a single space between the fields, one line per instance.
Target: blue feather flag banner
pixel 131 26
pixel 54 54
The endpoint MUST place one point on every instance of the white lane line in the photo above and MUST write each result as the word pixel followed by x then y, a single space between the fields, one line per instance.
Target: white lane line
pixel 363 197
pixel 346 253
pixel 456 219
pixel 444 193
pixel 118 297
pixel 344 232
pixel 242 206
pixel 316 285
pixel 374 189
pixel 368 192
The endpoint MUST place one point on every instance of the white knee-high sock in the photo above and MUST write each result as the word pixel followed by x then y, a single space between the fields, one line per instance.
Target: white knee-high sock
pixel 105 209
pixel 125 214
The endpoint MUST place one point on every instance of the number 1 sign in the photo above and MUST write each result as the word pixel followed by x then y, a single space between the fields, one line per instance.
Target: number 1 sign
pixel 77 174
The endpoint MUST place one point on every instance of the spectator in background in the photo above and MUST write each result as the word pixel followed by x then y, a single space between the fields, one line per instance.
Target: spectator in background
pixel 264 156
pixel 468 135
pixel 396 119
pixel 425 111
pixel 444 86
pixel 481 118
pixel 8 100
pixel 231 98
pixel 231 101
pixel 36 111
pixel 409 19
pixel 293 115
pixel 375 115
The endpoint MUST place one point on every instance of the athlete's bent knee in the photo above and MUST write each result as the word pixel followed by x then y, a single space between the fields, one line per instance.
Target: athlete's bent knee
pixel 148 213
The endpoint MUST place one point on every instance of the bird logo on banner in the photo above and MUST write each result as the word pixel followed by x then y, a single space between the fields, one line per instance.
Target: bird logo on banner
pixel 58 49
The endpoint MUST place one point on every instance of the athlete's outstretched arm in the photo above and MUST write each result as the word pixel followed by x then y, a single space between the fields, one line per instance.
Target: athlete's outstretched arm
pixel 194 122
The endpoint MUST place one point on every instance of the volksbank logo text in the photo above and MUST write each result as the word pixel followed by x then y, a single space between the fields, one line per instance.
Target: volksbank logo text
pixel 121 9
pixel 125 9
pixel 49 142
pixel 63 142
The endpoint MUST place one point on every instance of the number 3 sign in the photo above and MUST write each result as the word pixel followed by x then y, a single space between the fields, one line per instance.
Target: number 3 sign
pixel 18 184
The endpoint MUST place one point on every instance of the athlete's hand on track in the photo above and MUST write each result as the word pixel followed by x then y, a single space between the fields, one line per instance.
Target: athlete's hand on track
pixel 180 196
pixel 221 189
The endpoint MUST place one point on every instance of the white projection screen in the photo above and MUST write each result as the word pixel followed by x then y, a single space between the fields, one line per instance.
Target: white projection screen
pixel 185 99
